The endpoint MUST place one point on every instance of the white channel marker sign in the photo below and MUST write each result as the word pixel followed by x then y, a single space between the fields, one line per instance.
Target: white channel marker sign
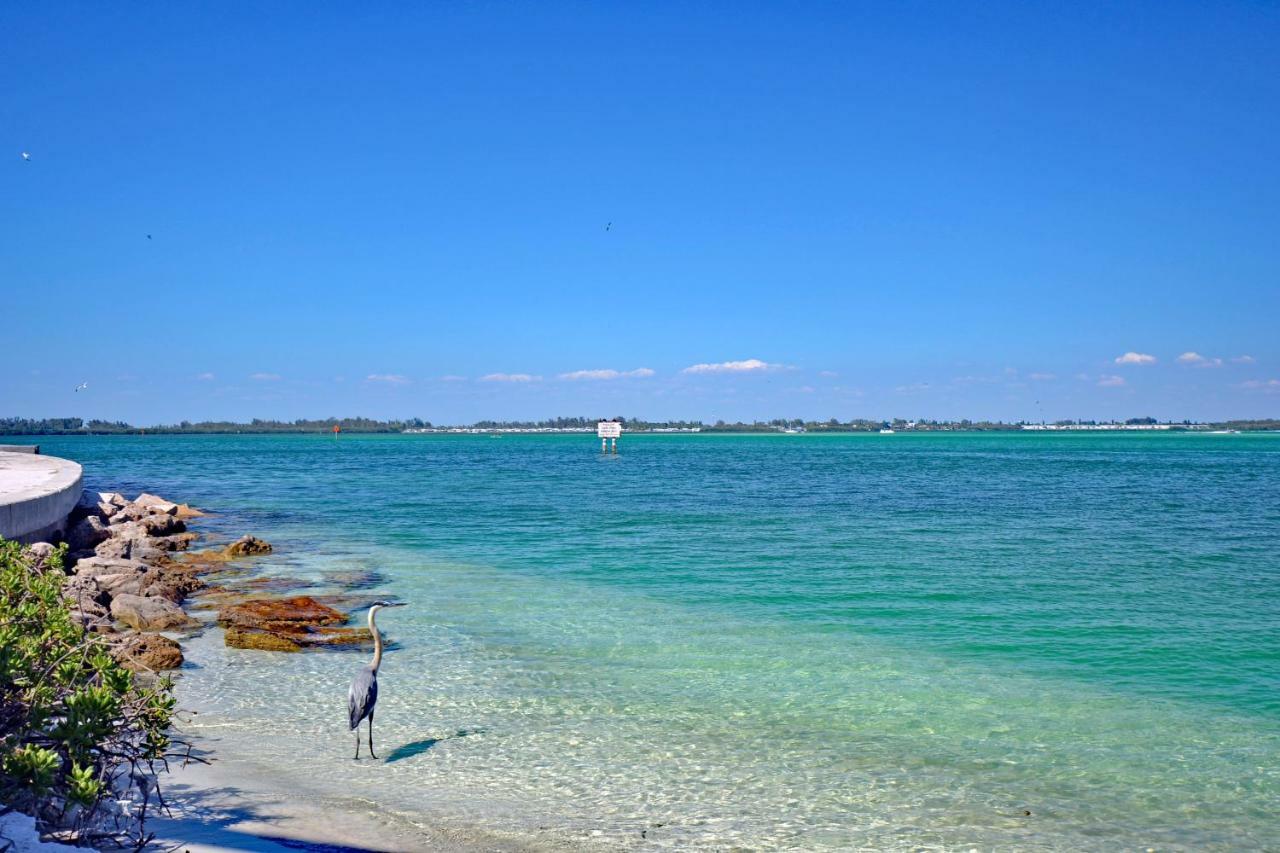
pixel 608 429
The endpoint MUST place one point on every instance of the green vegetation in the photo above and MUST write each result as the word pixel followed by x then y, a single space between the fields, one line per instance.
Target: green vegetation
pixel 80 741
pixel 76 426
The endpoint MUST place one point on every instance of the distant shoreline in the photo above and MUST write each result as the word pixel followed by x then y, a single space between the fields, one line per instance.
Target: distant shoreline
pixel 735 429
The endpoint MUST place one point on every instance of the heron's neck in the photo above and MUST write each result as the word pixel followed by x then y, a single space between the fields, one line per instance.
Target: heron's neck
pixel 377 642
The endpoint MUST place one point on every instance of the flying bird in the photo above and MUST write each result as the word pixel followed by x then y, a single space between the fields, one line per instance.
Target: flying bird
pixel 82 386
pixel 363 694
pixel 608 225
pixel 26 156
pixel 148 236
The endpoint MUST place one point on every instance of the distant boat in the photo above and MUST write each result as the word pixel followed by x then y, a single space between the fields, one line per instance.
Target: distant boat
pixel 886 431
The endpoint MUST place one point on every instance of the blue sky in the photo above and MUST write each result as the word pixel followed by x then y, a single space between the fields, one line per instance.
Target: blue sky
pixel 845 210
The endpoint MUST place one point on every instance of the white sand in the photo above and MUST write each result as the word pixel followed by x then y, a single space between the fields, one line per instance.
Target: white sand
pixel 220 807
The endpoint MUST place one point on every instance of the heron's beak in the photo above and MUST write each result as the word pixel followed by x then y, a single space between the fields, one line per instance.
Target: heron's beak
pixel 397 604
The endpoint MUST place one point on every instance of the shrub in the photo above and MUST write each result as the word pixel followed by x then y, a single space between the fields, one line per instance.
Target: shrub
pixel 80 740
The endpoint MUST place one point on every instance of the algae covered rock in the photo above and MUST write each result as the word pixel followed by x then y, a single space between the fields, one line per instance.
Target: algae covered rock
pixel 247 546
pixel 145 613
pixel 143 652
pixel 280 613
pixel 247 638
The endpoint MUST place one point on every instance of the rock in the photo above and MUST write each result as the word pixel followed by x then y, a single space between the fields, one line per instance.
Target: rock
pixel 84 594
pixel 91 506
pixel 94 566
pixel 176 542
pixel 115 548
pixel 143 652
pixel 114 499
pixel 354 578
pixel 280 613
pixel 336 638
pixel 246 546
pixel 129 512
pixel 270 583
pixel 148 613
pixel 156 504
pixel 40 553
pixel 87 533
pixel 241 638
pixel 188 511
pixel 174 586
pixel 161 525
pixel 129 543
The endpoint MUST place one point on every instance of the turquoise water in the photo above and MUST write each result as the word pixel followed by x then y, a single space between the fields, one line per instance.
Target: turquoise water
pixel 769 642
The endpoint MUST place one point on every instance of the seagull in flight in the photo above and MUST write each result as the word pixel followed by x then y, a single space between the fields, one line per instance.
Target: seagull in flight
pixel 608 225
pixel 26 156
pixel 82 386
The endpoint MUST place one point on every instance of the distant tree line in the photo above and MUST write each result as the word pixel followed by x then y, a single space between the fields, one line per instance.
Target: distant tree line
pixel 77 426
pixel 74 426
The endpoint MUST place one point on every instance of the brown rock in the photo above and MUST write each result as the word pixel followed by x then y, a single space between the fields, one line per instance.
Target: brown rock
pixel 156 504
pixel 246 546
pixel 87 533
pixel 188 511
pixel 148 613
pixel 280 613
pixel 84 590
pixel 241 638
pixel 40 553
pixel 119 547
pixel 148 652
pixel 161 525
pixel 354 578
pixel 174 586
pixel 94 566
pixel 176 542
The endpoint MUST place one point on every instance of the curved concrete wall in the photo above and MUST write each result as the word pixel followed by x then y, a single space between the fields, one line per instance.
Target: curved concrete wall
pixel 37 493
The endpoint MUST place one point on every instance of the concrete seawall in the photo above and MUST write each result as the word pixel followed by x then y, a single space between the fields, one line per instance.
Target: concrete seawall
pixel 37 493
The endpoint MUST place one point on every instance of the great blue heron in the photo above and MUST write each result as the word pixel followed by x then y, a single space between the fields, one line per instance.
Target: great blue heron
pixel 363 694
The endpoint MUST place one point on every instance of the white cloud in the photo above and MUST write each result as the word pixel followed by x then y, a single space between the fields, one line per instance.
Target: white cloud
pixel 1271 386
pixel 265 377
pixel 205 377
pixel 912 388
pixel 830 374
pixel 638 373
pixel 1041 377
pixel 1110 381
pixel 747 366
pixel 509 377
pixel 1199 360
pixel 1244 359
pixel 1135 358
pixel 387 378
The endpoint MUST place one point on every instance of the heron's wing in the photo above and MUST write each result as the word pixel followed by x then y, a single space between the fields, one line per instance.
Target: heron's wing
pixel 362 696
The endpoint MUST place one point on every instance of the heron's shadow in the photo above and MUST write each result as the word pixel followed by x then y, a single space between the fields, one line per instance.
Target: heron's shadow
pixel 417 747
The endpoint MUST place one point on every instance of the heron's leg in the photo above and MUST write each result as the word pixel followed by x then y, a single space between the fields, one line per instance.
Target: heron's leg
pixel 371 734
pixel 357 740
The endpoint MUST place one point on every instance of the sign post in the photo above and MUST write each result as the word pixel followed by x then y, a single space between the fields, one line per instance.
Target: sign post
pixel 608 431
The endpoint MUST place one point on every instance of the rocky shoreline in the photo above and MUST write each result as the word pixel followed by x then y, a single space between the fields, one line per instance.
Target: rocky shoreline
pixel 133 577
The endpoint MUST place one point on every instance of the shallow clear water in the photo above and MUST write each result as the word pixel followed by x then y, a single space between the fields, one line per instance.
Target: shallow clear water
pixel 769 641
